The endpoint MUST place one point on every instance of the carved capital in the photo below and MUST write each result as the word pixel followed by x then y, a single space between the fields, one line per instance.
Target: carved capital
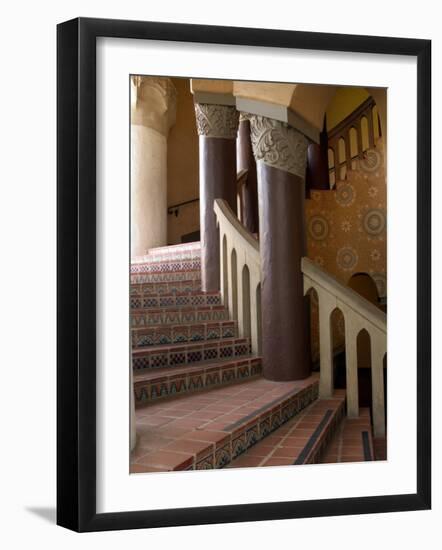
pixel 279 145
pixel 153 102
pixel 216 121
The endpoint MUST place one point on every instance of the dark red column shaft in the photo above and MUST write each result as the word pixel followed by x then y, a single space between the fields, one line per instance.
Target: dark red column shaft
pixel 285 334
pixel 246 161
pixel 217 181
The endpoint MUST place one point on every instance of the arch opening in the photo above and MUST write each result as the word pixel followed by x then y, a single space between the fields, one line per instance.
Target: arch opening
pixel 246 315
pixel 225 272
pixel 234 289
pixel 259 317
pixel 337 325
pixel 363 346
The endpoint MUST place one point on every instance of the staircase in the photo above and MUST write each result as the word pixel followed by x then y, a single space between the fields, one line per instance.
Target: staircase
pixel 201 401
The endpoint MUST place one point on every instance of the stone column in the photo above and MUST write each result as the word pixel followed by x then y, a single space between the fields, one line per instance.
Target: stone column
pixel 217 127
pixel 246 161
pixel 153 109
pixel 281 156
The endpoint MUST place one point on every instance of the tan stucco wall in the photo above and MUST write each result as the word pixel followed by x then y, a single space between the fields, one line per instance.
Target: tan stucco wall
pixel 182 165
pixel 343 103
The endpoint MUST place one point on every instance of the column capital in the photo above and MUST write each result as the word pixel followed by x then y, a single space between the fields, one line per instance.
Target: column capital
pixel 279 145
pixel 243 116
pixel 216 121
pixel 153 102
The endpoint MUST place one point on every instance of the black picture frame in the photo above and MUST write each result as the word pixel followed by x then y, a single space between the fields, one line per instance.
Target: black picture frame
pixel 76 273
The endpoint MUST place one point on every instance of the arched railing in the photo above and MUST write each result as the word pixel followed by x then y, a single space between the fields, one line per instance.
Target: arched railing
pixel 240 273
pixel 350 139
pixel 359 314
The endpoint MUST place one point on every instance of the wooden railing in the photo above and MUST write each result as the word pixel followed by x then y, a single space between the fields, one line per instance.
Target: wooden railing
pixel 359 314
pixel 349 140
pixel 240 273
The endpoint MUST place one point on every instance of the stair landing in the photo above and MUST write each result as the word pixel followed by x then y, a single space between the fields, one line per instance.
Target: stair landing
pixel 352 441
pixel 301 440
pixel 211 428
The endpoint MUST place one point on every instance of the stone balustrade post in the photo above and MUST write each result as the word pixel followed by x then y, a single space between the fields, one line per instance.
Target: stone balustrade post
pixel 326 305
pixel 378 349
pixel 351 364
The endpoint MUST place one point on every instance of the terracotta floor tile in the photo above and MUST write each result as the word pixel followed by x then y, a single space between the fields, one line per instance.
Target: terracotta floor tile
pixel 166 459
pixel 260 450
pixel 189 446
pixel 278 461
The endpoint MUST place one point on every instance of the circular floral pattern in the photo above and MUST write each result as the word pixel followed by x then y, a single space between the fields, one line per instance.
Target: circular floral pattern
pixel 346 226
pixel 375 255
pixel 347 258
pixel 315 196
pixel 372 191
pixel 371 161
pixel 345 194
pixel 373 221
pixel 318 228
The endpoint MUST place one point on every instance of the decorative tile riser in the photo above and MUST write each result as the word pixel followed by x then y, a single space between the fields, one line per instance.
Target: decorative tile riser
pixel 167 266
pixel 320 447
pixel 247 435
pixel 175 300
pixel 176 251
pixel 179 334
pixel 190 354
pixel 216 376
pixel 167 257
pixel 140 278
pixel 177 316
pixel 170 287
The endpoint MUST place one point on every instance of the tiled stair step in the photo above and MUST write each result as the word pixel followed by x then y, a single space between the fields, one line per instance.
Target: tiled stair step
pixel 184 275
pixel 168 287
pixel 175 251
pixel 352 441
pixel 301 440
pixel 185 354
pixel 162 316
pixel 166 266
pixel 209 429
pixel 184 299
pixel 183 333
pixel 170 382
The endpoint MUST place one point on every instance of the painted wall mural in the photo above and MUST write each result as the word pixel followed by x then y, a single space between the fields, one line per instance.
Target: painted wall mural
pixel 347 228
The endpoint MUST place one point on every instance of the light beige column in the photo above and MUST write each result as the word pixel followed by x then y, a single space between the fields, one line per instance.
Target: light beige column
pixel 351 358
pixel 327 303
pixel 153 110
pixel 378 348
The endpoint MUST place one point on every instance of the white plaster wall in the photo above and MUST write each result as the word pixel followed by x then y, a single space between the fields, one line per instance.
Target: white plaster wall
pixel 148 189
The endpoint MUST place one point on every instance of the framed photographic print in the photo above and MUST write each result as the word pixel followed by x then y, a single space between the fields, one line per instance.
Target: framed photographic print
pixel 243 274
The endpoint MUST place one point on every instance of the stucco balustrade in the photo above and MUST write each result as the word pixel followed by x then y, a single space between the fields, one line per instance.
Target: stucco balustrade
pixel 359 314
pixel 240 273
